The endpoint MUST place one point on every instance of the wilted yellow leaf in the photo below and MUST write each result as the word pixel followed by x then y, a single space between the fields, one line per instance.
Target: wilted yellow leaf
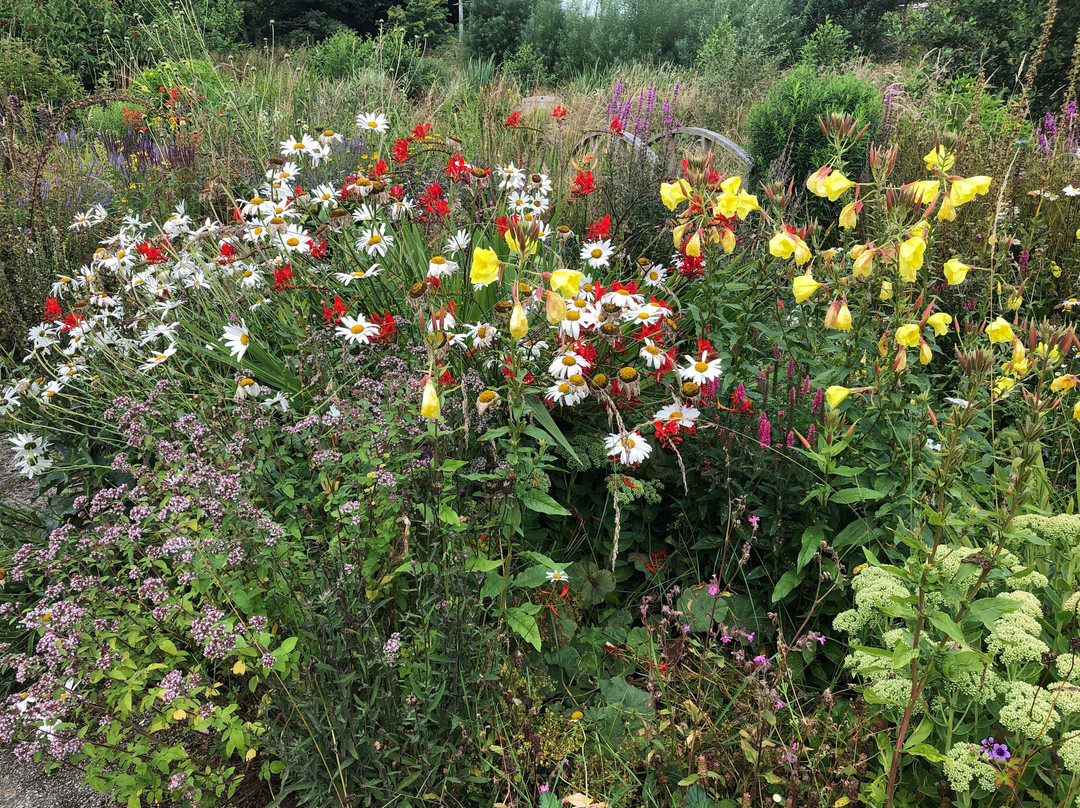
pixel 239 668
pixel 250 756
pixel 179 715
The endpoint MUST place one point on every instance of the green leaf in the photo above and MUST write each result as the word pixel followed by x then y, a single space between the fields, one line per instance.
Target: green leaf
pixel 287 645
pixel 524 625
pixel 168 647
pixel 543 417
pixel 533 576
pixel 788 581
pixel 448 514
pixel 494 585
pixel 474 564
pixel 990 609
pixel 945 624
pixel 536 500
pixel 812 538
pixel 849 496
pixel 925 750
pixel 688 781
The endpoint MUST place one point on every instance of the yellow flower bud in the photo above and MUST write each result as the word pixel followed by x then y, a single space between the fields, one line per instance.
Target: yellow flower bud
pixel 947 211
pixel 925 354
pixel 843 317
pixel 519 323
pixel 1064 383
pixel 429 406
pixel 864 263
pixel 1076 407
pixel 728 241
pixel 849 216
pixel 555 308
pixel 911 258
pixel 677 235
pixel 693 248
pixel 886 291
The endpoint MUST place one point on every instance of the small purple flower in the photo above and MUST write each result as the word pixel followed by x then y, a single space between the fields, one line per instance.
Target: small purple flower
pixel 754 521
pixel 997 752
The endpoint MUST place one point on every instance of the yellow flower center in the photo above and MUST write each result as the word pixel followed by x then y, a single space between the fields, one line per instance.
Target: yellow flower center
pixel 629 443
pixel 256 200
pixel 438 259
pixel 654 275
pixel 564 388
pixel 481 332
pixel 292 241
pixel 573 316
pixel 581 303
pixel 701 367
pixel 356 329
pixel 161 357
pixel 373 124
pixel 121 254
pixel 487 396
pixel 298 145
pixel 375 239
pixel 622 291
pixel 643 315
pixel 328 133
pixel 248 273
pixel 652 350
pixel 569 361
pixel 246 382
pixel 675 416
pixel 596 253
pixel 244 339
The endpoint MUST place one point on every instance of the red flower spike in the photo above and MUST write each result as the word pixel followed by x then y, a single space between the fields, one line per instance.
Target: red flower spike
pixel 400 152
pixel 514 121
pixel 616 126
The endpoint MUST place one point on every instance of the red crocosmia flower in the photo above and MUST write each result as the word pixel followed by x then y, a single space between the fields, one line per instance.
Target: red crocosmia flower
pixel 558 113
pixel 397 192
pixel 740 403
pixel 585 351
pixel 616 125
pixel 332 314
pixel 457 169
pixel 283 278
pixel 387 327
pixel 400 152
pixel 584 184
pixel 379 169
pixel 689 266
pixel 227 253
pixel 317 250
pixel 654 332
pixel 420 131
pixel 237 215
pixel 52 310
pixel 704 345
pixel 514 121
pixel 502 224
pixel 601 228
pixel 629 287
pixel 434 190
pixel 447 379
pixel 71 321
pixel 150 253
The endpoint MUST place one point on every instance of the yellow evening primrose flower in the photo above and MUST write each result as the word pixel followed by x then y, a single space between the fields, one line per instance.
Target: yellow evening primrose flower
pixel 485 267
pixel 835 185
pixel 731 185
pixel 728 240
pixel 519 323
pixel 908 335
pixel 781 245
pixel 804 287
pixel 836 394
pixel 802 252
pixel 566 282
pixel 843 317
pixel 673 193
pixel 1054 354
pixel 940 322
pixel 1063 383
pixel 963 191
pixel 999 331
pixel 1076 411
pixel 947 211
pixel 911 258
pixel 429 406
pixel 815 183
pixel 677 234
pixel 925 354
pixel 940 159
pixel 864 261
pixel 886 291
pixel 924 191
pixel 1003 385
pixel 849 216
pixel 1015 301
pixel 955 272
pixel 693 247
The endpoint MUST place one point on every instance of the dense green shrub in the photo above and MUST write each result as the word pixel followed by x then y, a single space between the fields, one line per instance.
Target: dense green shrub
pixel 341 53
pixel 421 19
pixel 787 120
pixel 750 42
pixel 828 46
pixel 865 19
pixel 31 77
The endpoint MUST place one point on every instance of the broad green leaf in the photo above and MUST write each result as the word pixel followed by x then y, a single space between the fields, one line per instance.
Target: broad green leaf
pixel 524 625
pixel 849 496
pixel 536 500
pixel 812 538
pixel 788 581
pixel 543 417
pixel 474 564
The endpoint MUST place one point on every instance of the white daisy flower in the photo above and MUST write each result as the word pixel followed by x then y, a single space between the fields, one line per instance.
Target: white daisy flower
pixel 628 448
pixel 51 391
pixel 439 267
pixel 597 253
pixel 401 208
pixel 567 364
pixel 483 335
pixel 294 239
pixel 297 146
pixel 565 394
pixel 237 339
pixel 678 414
pixel 511 177
pixel 329 136
pixel 348 277
pixel 652 355
pixel 375 241
pixel 459 242
pixel 646 314
pixel 247 388
pixel 541 183
pixel 250 279
pixel 284 173
pixel 700 370
pixel 373 122
pixel 518 202
pixel 156 359
pixel 655 275
pixel 278 400
pixel 623 298
pixel 558 576
pixel 365 213
pixel 325 195
pixel 575 320
pixel 357 329
pixel 1070 190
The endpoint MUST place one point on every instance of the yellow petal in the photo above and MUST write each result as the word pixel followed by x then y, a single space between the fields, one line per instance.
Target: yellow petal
pixel 836 394
pixel 782 245
pixel 940 322
pixel 429 406
pixel 566 282
pixel 999 331
pixel 955 272
pixel 485 267
pixel 673 193
pixel 908 335
pixel 519 323
pixel 804 287
pixel 239 669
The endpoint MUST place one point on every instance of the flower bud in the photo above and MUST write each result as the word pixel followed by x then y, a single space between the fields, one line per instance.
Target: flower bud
pixel 429 407
pixel 519 323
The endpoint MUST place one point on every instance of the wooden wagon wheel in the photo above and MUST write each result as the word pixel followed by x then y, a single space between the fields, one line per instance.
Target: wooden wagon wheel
pixel 608 144
pixel 684 141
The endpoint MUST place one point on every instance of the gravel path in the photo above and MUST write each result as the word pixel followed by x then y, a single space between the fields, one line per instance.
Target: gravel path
pixel 27 785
